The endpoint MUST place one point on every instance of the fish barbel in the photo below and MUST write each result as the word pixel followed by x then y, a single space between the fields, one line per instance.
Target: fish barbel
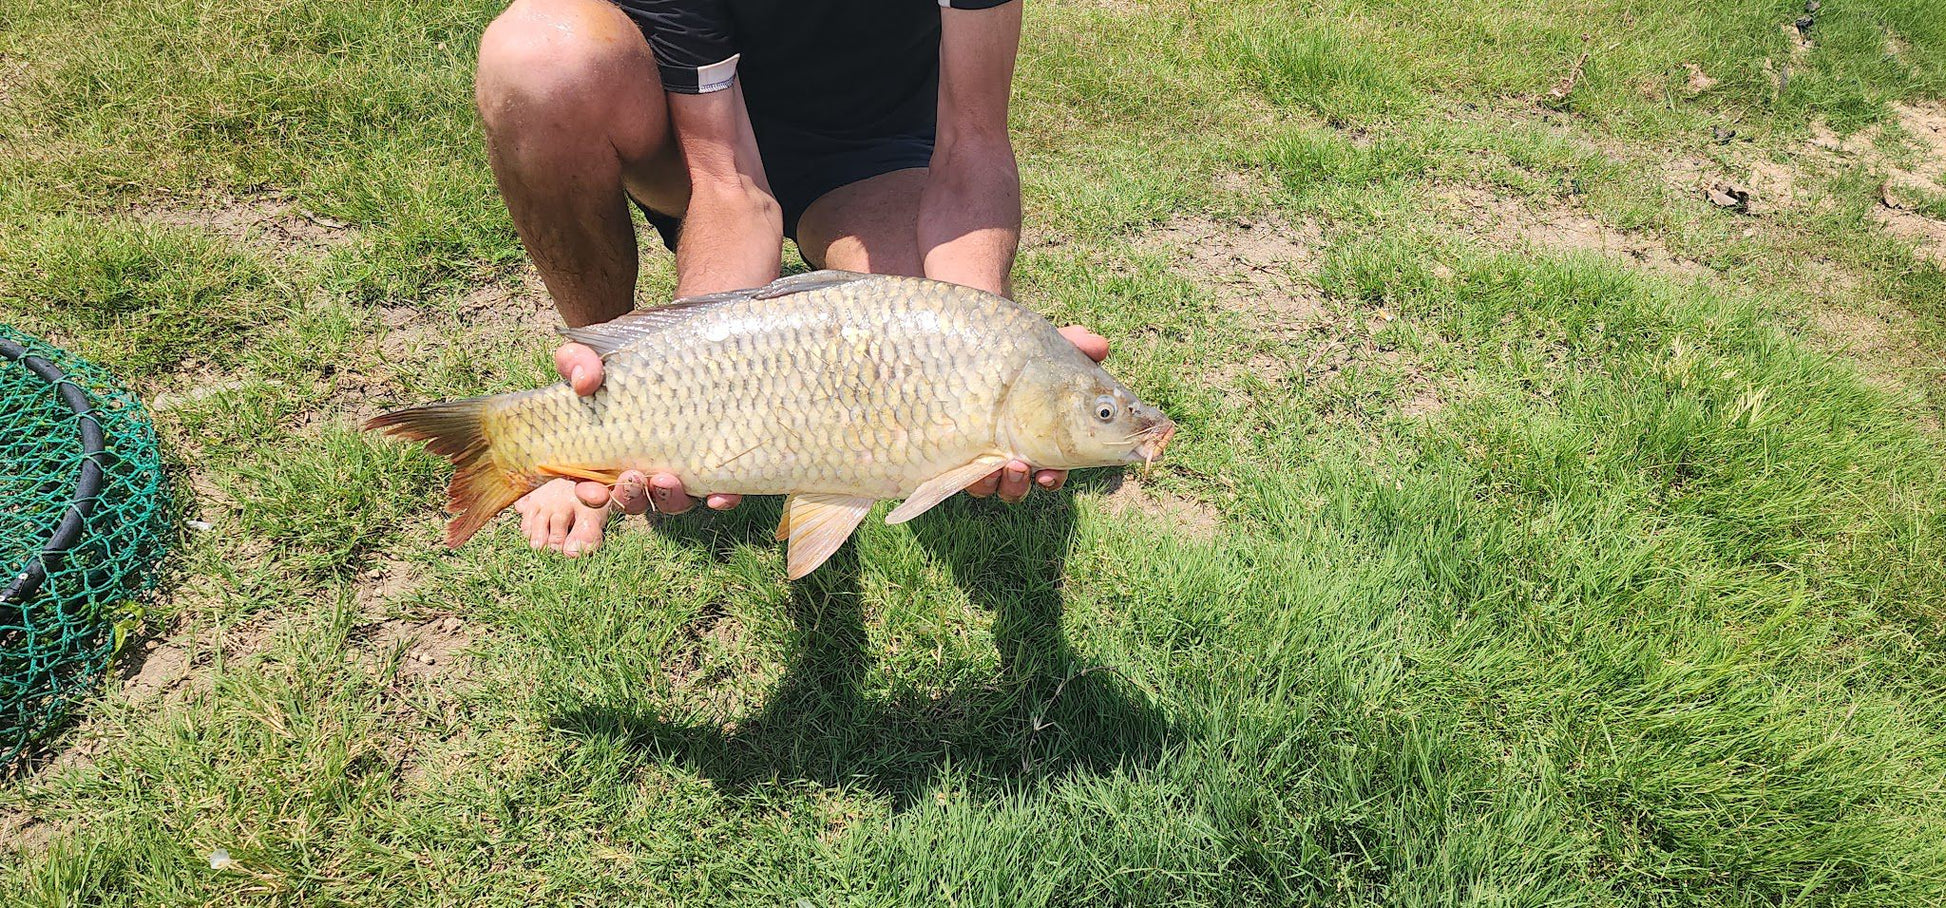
pixel 835 388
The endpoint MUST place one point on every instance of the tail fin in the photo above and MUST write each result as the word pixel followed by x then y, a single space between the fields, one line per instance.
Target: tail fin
pixel 480 488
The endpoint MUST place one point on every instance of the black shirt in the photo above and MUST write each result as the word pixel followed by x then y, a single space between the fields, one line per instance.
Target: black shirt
pixel 838 90
pixel 801 60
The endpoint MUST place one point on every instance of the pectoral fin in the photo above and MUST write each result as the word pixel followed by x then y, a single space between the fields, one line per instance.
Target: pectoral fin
pixel 814 526
pixel 941 487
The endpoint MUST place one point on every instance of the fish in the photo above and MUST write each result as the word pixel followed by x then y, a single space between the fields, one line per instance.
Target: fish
pixel 835 388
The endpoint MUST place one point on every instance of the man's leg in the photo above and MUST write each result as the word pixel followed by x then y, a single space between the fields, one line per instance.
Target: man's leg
pixel 575 118
pixel 870 226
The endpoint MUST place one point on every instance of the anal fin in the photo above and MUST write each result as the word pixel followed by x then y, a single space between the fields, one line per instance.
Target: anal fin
pixel 815 525
pixel 941 487
pixel 587 474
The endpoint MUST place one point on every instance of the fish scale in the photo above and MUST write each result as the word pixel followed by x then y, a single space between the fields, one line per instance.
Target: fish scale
pixel 838 415
pixel 833 387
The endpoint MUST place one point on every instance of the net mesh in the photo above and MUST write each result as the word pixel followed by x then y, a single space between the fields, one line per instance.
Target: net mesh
pixel 78 555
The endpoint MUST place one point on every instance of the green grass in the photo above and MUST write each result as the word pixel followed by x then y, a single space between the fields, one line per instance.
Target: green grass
pixel 1643 608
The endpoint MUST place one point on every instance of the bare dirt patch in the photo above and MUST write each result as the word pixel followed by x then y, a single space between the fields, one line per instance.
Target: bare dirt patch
pixel 717 670
pixel 1422 400
pixel 1253 266
pixel 428 646
pixel 423 662
pixel 1697 81
pixel 518 301
pixel 1123 495
pixel 1799 39
pixel 170 400
pixel 499 311
pixel 1905 181
pixel 1827 280
pixel 160 669
pixel 13 71
pixel 170 667
pixel 383 585
pixel 1256 268
pixel 1885 353
pixel 1688 173
pixel 1035 237
pixel 1771 185
pixel 1117 8
pixel 1926 123
pixel 432 648
pixel 1897 47
pixel 1242 183
pixel 712 630
pixel 1514 224
pixel 22 831
pixel 1928 233
pixel 506 304
pixel 152 672
pixel 269 220
pixel 1858 144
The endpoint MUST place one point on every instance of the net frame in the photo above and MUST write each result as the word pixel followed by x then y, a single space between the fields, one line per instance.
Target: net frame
pixel 85 520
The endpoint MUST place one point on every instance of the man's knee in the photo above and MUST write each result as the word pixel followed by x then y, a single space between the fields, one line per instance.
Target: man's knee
pixel 568 56
pixel 869 225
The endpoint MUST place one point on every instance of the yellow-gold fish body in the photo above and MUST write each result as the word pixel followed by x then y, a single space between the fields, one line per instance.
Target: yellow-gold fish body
pixel 835 388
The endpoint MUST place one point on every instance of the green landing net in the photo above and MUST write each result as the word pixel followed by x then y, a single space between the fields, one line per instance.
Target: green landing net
pixel 84 521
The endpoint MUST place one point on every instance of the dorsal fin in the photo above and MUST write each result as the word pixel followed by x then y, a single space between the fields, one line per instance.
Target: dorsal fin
pixel 623 330
pixel 613 335
pixel 807 282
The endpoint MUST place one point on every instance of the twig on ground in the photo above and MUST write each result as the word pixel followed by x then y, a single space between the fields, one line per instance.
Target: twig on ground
pixel 322 221
pixel 1040 722
pixel 1558 95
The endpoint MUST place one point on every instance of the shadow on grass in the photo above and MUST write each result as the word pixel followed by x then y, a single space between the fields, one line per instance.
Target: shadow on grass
pixel 1044 715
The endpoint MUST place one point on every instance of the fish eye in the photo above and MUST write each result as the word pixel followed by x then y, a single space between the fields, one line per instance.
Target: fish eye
pixel 1105 408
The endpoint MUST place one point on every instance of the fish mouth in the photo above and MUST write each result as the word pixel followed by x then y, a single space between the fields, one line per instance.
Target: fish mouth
pixel 1154 441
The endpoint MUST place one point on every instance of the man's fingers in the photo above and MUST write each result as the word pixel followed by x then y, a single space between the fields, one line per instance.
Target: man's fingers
pixel 666 492
pixel 631 493
pixel 1051 480
pixel 634 493
pixel 1013 482
pixel 579 366
pixel 722 502
pixel 1089 342
pixel 985 485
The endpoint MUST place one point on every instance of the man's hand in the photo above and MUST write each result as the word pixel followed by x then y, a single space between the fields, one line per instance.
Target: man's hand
pixel 731 234
pixel 633 493
pixel 1011 480
pixel 969 214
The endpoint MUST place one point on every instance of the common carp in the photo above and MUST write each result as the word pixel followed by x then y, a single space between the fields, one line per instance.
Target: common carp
pixel 835 388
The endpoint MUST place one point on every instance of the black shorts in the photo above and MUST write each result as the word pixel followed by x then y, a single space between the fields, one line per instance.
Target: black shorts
pixel 838 90
pixel 802 167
